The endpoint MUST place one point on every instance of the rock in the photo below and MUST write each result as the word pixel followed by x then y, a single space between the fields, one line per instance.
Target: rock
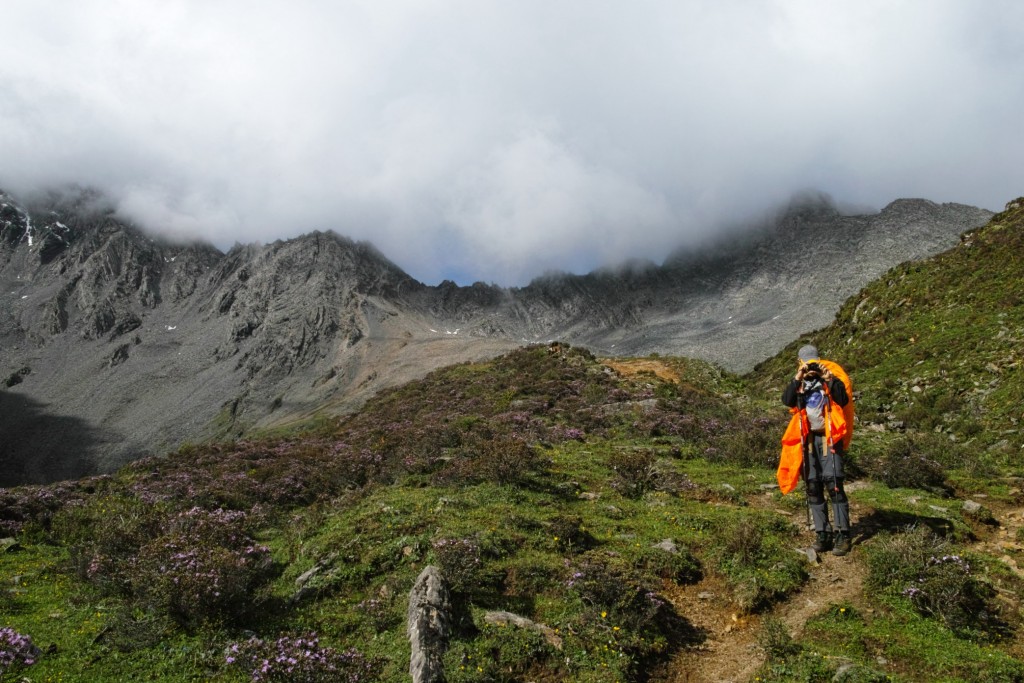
pixel 428 625
pixel 307 575
pixel 668 545
pixel 587 495
pixel 506 618
pixel 305 583
pixel 8 544
pixel 810 553
pixel 979 513
pixel 845 671
pixel 705 595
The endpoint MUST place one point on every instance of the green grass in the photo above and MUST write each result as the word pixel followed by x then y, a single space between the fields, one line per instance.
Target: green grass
pixel 912 647
pixel 951 326
pixel 69 623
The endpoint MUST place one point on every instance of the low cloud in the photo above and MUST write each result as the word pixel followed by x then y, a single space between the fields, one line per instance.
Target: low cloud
pixel 494 142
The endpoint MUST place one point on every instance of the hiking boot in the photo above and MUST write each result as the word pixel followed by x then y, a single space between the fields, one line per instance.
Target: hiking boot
pixel 842 546
pixel 822 541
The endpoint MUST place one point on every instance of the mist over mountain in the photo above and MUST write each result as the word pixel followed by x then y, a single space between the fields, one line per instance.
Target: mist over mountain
pixel 126 345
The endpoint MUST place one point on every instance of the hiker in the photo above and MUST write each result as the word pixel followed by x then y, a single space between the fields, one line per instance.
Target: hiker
pixel 815 444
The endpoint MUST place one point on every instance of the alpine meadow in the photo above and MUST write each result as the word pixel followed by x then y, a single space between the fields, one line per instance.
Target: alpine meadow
pixel 592 518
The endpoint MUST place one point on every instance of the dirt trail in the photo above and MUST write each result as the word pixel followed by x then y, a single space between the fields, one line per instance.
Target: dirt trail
pixel 730 653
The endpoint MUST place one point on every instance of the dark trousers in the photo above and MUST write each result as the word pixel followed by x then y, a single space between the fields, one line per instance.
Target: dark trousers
pixel 823 472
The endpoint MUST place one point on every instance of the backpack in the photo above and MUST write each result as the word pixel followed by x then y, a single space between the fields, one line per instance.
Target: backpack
pixel 848 410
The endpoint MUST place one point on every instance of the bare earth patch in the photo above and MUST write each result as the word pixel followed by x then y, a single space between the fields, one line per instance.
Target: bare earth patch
pixel 630 368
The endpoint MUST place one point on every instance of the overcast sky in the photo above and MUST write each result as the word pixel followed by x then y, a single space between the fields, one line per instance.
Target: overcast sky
pixel 494 141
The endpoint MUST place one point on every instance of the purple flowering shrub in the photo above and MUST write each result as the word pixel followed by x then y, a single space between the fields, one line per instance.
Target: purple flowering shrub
pixel 16 652
pixel 947 590
pixel 460 424
pixel 502 461
pixel 205 567
pixel 28 505
pixel 379 612
pixel 195 565
pixel 621 602
pixel 240 475
pixel 104 536
pixel 300 660
pixel 722 431
pixel 923 568
pixel 635 473
pixel 457 425
pixel 747 439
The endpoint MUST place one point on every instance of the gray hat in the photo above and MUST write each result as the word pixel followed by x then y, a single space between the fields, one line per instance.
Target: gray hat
pixel 808 353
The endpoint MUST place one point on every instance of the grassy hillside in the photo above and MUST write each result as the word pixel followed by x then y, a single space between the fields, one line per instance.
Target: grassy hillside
pixel 625 507
pixel 935 349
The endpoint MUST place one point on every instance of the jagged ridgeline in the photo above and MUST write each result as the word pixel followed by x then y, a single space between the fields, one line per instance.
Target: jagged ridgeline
pixel 115 344
pixel 937 345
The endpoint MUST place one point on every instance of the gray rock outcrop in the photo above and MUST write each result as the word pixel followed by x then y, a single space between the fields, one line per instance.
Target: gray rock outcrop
pixel 428 625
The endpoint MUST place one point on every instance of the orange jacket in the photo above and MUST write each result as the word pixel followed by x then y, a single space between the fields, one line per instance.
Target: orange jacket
pixel 791 461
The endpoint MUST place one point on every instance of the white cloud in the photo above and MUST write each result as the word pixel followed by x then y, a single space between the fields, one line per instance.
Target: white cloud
pixel 499 140
pixel 533 201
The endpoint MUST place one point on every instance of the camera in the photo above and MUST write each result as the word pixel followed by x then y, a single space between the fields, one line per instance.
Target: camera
pixel 813 370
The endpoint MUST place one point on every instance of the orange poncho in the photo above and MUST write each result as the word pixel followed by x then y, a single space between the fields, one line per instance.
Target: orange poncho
pixel 838 427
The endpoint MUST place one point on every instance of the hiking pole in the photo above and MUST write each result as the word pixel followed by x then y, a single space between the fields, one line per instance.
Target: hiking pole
pixel 807 497
pixel 835 499
pixel 835 490
pixel 830 451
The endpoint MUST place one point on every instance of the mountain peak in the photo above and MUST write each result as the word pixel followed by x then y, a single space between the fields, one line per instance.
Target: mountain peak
pixel 810 204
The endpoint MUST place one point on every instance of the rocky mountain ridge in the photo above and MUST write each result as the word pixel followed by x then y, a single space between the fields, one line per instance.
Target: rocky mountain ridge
pixel 117 345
